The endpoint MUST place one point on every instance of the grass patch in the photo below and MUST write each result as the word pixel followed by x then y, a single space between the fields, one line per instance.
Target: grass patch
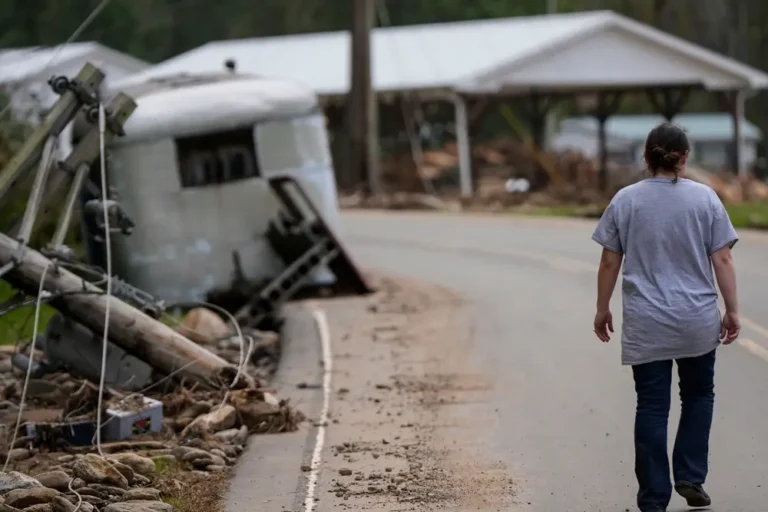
pixel 19 324
pixel 166 467
pixel 194 493
pixel 753 215
pixel 749 215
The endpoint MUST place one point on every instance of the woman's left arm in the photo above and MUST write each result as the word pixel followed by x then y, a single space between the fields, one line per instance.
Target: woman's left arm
pixel 607 275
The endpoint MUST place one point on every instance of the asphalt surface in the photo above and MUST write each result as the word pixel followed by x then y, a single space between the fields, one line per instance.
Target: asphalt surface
pixel 560 412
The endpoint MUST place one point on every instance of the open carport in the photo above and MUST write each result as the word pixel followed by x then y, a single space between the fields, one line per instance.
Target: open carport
pixel 597 57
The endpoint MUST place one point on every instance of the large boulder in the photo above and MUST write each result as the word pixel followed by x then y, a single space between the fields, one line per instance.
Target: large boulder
pixel 221 418
pixel 13 480
pixel 58 480
pixel 25 498
pixel 96 470
pixel 139 464
pixel 139 506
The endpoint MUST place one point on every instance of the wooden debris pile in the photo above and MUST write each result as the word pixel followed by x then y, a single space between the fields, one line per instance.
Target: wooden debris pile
pixel 551 179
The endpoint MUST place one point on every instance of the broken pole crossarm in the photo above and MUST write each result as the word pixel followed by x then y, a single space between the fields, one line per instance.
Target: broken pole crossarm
pixel 151 341
pixel 87 151
pixel 73 95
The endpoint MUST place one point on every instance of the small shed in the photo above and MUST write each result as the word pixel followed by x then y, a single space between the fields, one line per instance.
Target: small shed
pixel 596 56
pixel 710 134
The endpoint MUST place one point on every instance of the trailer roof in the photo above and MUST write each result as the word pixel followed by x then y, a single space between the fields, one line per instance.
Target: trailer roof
pixel 596 49
pixel 189 105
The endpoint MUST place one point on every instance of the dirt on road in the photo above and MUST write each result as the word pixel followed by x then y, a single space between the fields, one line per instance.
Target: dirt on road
pixel 401 435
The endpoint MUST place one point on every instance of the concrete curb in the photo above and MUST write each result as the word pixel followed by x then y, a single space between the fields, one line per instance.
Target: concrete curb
pixel 268 475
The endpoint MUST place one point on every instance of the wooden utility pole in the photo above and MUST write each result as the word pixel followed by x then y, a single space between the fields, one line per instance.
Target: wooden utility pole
pixel 362 102
pixel 551 6
pixel 151 341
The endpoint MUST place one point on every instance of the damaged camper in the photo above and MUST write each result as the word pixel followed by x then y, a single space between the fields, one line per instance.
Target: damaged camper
pixel 197 171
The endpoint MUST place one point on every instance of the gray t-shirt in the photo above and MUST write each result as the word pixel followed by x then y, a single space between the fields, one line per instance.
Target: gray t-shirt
pixel 667 232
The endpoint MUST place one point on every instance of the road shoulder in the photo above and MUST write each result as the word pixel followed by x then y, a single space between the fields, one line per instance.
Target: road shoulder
pixel 268 475
pixel 401 432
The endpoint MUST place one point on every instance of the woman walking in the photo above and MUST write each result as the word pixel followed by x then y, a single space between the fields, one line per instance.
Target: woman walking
pixel 670 233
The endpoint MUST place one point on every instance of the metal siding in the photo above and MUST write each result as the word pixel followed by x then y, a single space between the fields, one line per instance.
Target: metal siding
pixel 410 57
pixel 465 54
pixel 615 58
pixel 183 242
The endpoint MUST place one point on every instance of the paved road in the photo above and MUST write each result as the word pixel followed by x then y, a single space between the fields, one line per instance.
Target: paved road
pixel 560 416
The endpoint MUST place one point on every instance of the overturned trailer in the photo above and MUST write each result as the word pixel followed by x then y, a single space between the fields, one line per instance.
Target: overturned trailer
pixel 196 173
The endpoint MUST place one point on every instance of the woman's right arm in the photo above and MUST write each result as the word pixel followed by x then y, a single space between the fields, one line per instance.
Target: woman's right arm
pixel 725 271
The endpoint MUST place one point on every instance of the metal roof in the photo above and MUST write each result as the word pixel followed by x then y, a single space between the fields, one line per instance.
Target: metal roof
pixel 701 127
pixel 466 55
pixel 35 62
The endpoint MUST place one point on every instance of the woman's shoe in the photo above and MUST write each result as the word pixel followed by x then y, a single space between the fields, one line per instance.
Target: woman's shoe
pixel 694 494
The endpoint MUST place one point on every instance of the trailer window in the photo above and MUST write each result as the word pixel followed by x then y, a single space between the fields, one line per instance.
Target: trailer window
pixel 298 143
pixel 216 158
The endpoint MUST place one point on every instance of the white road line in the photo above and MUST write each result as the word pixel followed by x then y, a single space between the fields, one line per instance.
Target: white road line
pixel 754 348
pixel 751 324
pixel 325 341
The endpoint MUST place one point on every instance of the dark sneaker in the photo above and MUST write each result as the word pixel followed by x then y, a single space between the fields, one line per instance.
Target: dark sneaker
pixel 694 494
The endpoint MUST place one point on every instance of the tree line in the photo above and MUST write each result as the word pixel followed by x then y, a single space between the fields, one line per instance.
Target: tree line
pixel 156 30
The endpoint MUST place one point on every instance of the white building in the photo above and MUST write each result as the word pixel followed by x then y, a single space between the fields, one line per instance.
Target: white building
pixel 711 136
pixel 526 57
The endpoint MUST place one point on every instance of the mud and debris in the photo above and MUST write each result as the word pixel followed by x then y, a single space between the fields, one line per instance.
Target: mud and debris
pixel 510 174
pixel 201 434
pixel 400 367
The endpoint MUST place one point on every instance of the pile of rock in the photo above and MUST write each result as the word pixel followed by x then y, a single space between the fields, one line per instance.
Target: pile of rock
pixel 118 483
pixel 137 481
pixel 203 432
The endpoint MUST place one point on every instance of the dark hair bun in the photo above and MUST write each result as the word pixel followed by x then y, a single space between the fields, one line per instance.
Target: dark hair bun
pixel 671 160
pixel 665 147
pixel 660 158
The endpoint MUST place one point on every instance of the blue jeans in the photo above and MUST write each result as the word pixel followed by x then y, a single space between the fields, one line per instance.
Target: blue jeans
pixel 653 382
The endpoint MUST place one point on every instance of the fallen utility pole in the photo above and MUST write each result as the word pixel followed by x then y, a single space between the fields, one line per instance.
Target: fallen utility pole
pixel 138 334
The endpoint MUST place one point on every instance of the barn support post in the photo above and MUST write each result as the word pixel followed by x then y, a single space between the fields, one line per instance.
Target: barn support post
pixel 607 105
pixel 733 102
pixel 668 102
pixel 738 99
pixel 536 111
pixel 464 145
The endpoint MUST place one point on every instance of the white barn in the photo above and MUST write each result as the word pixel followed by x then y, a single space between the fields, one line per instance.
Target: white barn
pixel 593 55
